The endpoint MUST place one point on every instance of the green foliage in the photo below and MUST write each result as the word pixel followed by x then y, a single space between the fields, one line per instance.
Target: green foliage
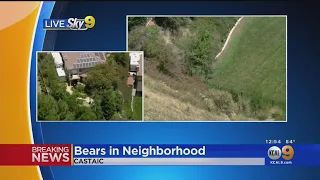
pixel 101 77
pixel 136 21
pixel 47 108
pixel 120 58
pixel 111 103
pixel 85 113
pixel 136 37
pixel 80 87
pixel 97 109
pixel 63 109
pixel 153 30
pixel 198 54
pixel 137 108
pixel 172 23
pixel 156 48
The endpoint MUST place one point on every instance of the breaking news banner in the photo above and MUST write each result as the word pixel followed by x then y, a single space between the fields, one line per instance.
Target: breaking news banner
pixel 85 154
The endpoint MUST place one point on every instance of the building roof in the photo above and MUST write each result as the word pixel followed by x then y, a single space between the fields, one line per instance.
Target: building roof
pixel 57 58
pixel 134 58
pixel 130 81
pixel 136 62
pixel 78 60
pixel 61 72
pixel 139 86
pixel 75 77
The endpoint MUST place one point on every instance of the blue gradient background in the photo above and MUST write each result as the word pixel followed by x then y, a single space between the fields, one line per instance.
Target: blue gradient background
pixel 109 34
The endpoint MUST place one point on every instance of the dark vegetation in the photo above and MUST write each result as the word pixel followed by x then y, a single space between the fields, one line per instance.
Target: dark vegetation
pixel 180 51
pixel 102 85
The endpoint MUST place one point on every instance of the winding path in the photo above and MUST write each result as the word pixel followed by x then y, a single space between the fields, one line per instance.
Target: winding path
pixel 237 26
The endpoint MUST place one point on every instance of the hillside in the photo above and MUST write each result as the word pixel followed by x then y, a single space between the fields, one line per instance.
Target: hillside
pixel 185 81
pixel 161 104
pixel 255 61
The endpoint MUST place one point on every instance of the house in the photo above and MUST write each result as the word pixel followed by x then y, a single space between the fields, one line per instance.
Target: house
pixel 57 59
pixel 59 65
pixel 136 60
pixel 61 74
pixel 78 63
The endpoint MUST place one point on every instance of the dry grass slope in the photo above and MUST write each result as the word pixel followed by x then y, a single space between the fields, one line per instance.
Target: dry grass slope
pixel 160 104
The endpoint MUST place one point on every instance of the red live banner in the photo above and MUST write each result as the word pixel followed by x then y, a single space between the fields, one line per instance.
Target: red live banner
pixel 35 154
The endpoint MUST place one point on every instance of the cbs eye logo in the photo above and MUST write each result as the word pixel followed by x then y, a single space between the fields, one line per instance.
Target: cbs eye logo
pixel 286 152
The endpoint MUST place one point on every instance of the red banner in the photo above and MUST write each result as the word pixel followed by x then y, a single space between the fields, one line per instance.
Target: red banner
pixel 36 154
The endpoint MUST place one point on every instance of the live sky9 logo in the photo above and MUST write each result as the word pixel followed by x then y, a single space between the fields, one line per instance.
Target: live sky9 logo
pixel 281 156
pixel 69 24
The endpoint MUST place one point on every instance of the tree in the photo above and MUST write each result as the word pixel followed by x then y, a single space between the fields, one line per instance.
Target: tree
pixel 41 56
pixel 85 113
pixel 198 52
pixel 121 58
pixel 63 109
pixel 97 109
pixel 172 23
pixel 156 48
pixel 101 77
pixel 136 21
pixel 47 108
pixel 110 103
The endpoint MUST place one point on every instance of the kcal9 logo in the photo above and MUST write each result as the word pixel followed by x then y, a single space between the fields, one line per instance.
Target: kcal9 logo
pixel 286 152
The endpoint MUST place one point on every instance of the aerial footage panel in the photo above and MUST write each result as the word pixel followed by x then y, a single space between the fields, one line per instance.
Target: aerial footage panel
pixel 212 68
pixel 89 86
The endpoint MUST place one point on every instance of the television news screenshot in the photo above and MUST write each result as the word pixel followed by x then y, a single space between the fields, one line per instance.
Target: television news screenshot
pixel 159 90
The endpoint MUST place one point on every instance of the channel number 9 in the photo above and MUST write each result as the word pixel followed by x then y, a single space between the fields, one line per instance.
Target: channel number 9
pixel 89 21
pixel 287 152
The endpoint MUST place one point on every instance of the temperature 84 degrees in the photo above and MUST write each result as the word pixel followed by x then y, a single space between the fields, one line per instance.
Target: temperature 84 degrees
pixel 290 141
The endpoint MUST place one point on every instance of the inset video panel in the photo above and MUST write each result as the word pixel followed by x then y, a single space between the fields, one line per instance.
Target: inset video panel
pixel 89 86
pixel 212 68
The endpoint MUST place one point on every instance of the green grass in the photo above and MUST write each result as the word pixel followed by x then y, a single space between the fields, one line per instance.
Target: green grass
pixel 255 62
pixel 125 90
pixel 123 87
pixel 137 108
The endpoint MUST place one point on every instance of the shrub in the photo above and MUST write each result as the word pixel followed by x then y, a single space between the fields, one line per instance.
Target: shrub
pixel 223 100
pixel 136 21
pixel 80 87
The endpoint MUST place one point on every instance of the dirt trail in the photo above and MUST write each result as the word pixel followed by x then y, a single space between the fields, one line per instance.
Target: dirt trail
pixel 150 22
pixel 232 33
